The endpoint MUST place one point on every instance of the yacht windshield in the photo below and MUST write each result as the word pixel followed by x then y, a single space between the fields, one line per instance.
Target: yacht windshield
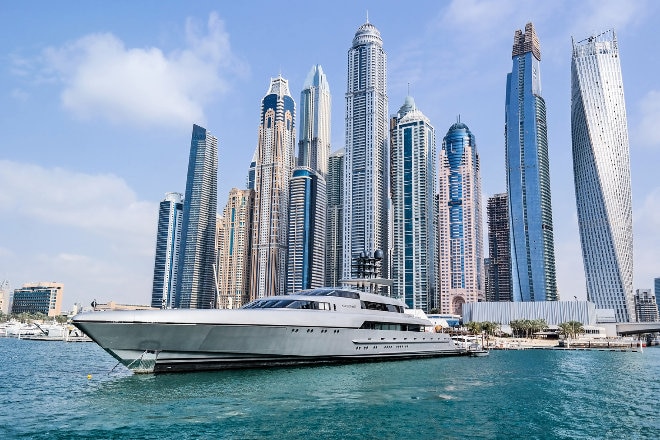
pixel 287 304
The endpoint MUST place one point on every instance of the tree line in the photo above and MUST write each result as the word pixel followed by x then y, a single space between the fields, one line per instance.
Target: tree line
pixel 524 327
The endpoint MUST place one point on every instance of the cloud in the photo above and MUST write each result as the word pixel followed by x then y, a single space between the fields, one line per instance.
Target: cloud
pixel 103 78
pixel 103 204
pixel 648 134
pixel 595 16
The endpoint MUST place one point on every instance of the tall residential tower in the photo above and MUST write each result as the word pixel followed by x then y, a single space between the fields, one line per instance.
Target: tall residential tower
pixel 196 286
pixel 499 248
pixel 413 189
pixel 335 219
pixel 601 167
pixel 528 175
pixel 366 154
pixel 272 172
pixel 460 233
pixel 307 199
pixel 168 241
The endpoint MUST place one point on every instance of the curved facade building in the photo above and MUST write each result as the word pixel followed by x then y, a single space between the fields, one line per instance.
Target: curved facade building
pixel 168 241
pixel 460 233
pixel 272 172
pixel 366 153
pixel 528 175
pixel 601 166
pixel 413 183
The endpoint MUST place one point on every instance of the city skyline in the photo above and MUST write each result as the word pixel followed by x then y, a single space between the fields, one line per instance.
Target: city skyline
pixel 105 176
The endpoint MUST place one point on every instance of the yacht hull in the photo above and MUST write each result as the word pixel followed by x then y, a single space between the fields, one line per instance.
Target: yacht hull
pixel 170 347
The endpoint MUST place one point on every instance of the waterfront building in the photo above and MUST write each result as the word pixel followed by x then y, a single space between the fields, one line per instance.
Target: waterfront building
pixel 528 175
pixel 498 286
pixel 601 168
pixel 413 189
pixel 306 253
pixel 44 297
pixel 656 282
pixel 308 196
pixel 335 219
pixel 553 312
pixel 460 242
pixel 233 267
pixel 646 307
pixel 5 297
pixel 196 287
pixel 366 154
pixel 168 241
pixel 274 160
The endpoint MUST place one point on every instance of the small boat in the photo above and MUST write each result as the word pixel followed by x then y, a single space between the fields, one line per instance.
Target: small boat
pixel 476 350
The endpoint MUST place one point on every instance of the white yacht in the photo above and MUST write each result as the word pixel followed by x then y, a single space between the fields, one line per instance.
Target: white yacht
pixel 314 326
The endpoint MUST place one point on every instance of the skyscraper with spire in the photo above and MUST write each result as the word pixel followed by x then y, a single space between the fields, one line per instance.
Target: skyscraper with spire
pixel 413 189
pixel 460 243
pixel 528 175
pixel 196 288
pixel 601 167
pixel 308 200
pixel 366 155
pixel 274 160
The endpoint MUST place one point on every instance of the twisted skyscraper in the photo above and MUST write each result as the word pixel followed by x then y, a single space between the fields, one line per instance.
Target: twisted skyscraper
pixel 528 175
pixel 601 166
pixel 366 153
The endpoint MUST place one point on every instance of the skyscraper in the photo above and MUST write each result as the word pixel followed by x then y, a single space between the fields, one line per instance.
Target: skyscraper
pixel 234 250
pixel 272 172
pixel 366 153
pixel 168 241
pixel 308 199
pixel 601 169
pixel 413 188
pixel 499 248
pixel 196 287
pixel 460 243
pixel 528 175
pixel 335 219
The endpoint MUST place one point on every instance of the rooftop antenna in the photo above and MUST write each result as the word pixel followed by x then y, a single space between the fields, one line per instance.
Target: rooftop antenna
pixel 408 89
pixel 367 15
pixel 458 118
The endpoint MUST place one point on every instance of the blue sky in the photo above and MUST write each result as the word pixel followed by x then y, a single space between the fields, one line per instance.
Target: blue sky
pixel 98 100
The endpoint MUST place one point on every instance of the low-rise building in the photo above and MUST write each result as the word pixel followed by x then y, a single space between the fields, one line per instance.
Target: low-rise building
pixel 42 297
pixel 646 308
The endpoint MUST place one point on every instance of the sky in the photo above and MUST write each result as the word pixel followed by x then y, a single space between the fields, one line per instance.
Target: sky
pixel 98 99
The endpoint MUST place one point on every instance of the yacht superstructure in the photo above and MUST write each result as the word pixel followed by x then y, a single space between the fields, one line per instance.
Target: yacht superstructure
pixel 315 326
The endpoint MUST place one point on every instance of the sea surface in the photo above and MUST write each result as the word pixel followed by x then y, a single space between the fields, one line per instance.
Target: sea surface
pixel 45 393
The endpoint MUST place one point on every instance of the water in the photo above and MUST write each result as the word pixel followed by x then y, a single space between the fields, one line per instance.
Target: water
pixel 531 394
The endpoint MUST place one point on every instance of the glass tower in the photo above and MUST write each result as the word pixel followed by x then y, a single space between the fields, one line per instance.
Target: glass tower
pixel 335 219
pixel 499 248
pixel 308 200
pixel 460 243
pixel 366 153
pixel 413 188
pixel 528 175
pixel 272 172
pixel 601 167
pixel 196 287
pixel 168 240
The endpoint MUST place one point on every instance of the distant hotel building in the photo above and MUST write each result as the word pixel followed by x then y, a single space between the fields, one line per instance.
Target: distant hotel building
pixel 413 188
pixel 42 297
pixel 196 285
pixel 366 155
pixel 601 166
pixel 272 172
pixel 499 267
pixel 308 197
pixel 656 282
pixel 460 243
pixel 233 268
pixel 528 175
pixel 5 296
pixel 335 219
pixel 646 307
pixel 168 241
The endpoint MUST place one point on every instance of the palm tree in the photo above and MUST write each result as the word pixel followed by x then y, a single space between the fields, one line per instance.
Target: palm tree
pixel 571 328
pixel 474 327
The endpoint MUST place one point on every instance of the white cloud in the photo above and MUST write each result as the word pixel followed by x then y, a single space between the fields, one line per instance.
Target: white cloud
pixel 595 16
pixel 648 133
pixel 103 78
pixel 103 204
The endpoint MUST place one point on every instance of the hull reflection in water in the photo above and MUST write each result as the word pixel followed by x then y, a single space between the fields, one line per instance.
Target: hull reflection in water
pixel 316 326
